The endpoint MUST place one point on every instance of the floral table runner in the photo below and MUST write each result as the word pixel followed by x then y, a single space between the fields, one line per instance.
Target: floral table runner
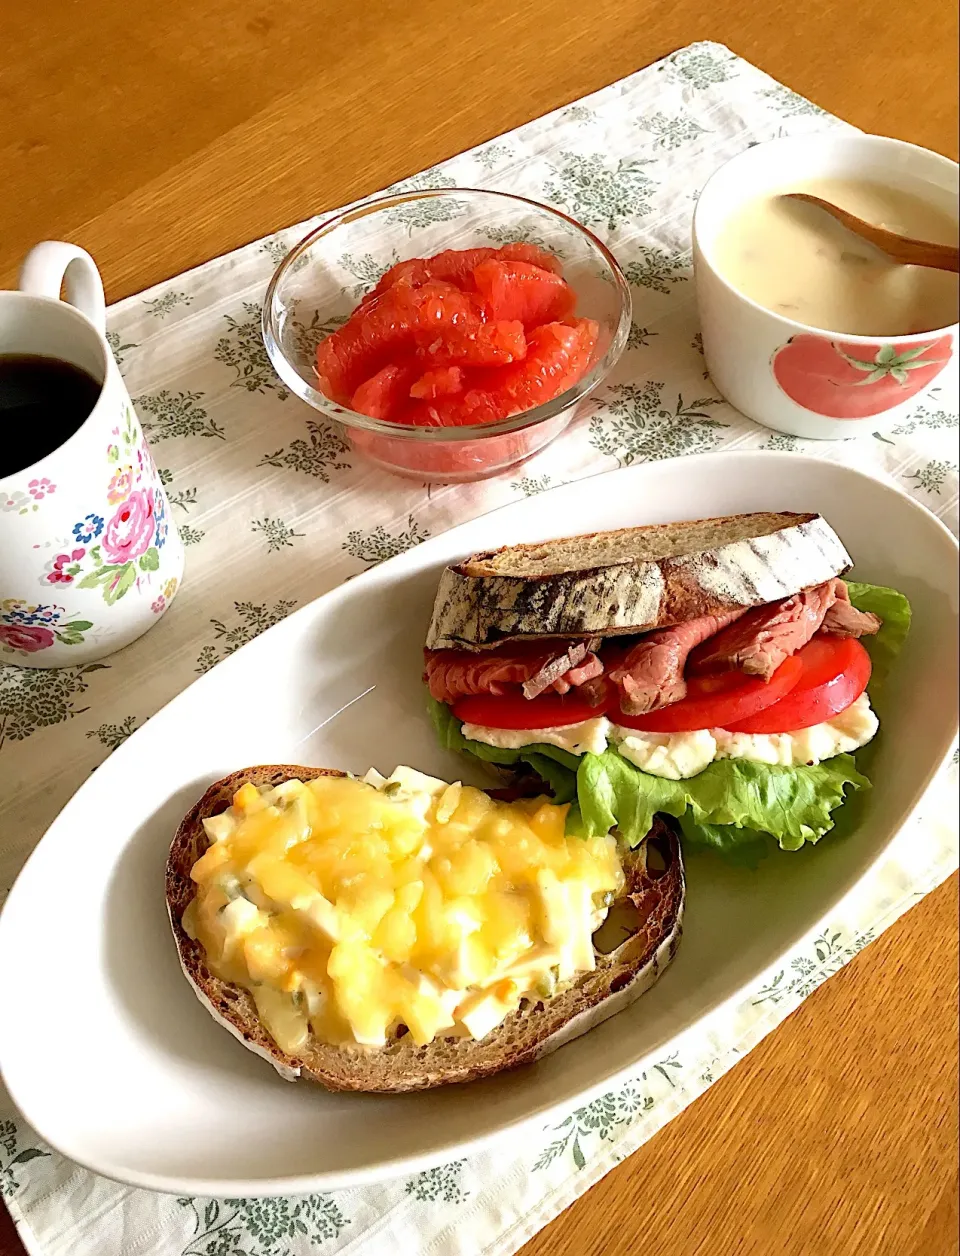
pixel 275 510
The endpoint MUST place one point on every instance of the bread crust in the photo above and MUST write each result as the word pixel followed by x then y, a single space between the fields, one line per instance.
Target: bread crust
pixel 479 606
pixel 526 1035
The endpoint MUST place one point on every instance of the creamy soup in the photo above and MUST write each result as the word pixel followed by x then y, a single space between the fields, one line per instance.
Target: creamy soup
pixel 798 261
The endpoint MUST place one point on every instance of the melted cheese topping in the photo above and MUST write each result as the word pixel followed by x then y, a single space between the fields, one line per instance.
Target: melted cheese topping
pixel 354 908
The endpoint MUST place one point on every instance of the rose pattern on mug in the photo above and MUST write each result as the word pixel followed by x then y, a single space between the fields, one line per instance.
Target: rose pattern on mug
pixel 112 553
pixel 120 551
pixel 25 628
pixel 855 381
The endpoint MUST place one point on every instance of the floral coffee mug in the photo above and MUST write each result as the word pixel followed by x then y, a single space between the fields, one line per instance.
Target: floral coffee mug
pixel 90 557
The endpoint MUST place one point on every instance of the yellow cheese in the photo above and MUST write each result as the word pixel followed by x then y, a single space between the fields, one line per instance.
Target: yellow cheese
pixel 351 908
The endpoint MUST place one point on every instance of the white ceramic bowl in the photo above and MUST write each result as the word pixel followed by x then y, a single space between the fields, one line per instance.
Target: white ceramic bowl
pixel 741 338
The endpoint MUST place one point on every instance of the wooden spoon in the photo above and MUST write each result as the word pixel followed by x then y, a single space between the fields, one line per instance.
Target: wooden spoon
pixel 901 248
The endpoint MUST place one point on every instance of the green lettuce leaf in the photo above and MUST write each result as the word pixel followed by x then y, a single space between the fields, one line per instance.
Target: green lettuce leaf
pixel 562 780
pixel 894 609
pixel 743 847
pixel 557 767
pixel 791 804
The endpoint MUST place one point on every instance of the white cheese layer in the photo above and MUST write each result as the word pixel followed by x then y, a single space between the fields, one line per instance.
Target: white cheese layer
pixel 678 756
pixel 588 737
pixel 675 756
pixel 847 731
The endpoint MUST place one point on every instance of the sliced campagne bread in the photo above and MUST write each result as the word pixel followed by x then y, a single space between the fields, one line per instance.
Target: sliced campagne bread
pixel 654 895
pixel 633 579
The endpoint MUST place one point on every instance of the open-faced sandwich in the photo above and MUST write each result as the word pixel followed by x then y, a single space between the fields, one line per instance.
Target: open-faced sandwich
pixel 713 670
pixel 393 934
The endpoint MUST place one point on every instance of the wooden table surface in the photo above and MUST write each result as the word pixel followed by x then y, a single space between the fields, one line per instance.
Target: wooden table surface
pixel 160 135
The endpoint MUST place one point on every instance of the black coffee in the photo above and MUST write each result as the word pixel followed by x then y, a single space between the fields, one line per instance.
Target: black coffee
pixel 43 401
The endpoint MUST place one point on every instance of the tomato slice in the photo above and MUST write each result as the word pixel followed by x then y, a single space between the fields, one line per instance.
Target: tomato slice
pixel 835 671
pixel 715 701
pixel 550 710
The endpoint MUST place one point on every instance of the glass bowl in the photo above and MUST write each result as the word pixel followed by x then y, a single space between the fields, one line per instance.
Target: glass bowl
pixel 321 281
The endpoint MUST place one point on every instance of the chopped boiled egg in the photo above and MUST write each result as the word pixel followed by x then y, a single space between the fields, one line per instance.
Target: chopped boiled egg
pixel 320 912
pixel 285 1018
pixel 240 916
pixel 485 1009
pixel 351 907
pixel 219 827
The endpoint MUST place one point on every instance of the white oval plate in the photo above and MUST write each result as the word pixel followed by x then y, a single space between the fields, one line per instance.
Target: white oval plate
pixel 104 1047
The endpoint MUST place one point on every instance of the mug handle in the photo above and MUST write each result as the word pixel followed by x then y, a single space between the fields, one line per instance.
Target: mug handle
pixel 52 263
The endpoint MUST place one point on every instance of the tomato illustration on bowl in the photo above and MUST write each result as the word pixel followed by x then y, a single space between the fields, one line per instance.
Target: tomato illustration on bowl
pixel 854 381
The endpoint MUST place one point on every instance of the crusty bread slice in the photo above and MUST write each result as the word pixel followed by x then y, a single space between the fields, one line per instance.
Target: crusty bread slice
pixel 633 579
pixel 655 888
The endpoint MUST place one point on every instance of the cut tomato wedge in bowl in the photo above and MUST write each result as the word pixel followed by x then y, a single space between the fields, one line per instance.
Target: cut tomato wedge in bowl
pixel 715 701
pixel 834 673
pixel 550 710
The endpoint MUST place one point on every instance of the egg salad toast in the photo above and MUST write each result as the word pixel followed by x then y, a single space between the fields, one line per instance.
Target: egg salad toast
pixel 394 934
